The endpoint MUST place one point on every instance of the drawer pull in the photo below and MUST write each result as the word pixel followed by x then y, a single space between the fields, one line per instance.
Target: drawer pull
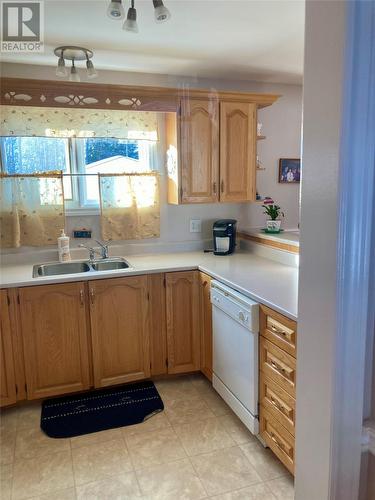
pixel 274 439
pixel 278 368
pixel 277 405
pixel 278 332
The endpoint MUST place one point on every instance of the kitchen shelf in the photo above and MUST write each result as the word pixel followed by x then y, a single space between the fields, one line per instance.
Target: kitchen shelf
pixel 260 137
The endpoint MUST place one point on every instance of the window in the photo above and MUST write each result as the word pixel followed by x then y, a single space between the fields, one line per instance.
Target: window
pixel 84 158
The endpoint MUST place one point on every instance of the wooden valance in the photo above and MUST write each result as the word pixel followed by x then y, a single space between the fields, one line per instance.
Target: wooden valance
pixel 51 93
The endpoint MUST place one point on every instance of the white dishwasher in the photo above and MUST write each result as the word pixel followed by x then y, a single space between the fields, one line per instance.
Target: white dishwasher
pixel 235 321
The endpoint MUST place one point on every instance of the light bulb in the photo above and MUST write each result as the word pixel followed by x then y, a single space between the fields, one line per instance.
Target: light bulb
pixel 115 10
pixel 91 71
pixel 74 76
pixel 131 21
pixel 61 69
pixel 161 12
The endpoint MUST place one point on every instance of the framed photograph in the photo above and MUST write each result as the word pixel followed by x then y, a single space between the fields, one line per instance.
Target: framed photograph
pixel 289 170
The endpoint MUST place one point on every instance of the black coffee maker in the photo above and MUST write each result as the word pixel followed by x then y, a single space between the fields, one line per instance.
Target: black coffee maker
pixel 224 234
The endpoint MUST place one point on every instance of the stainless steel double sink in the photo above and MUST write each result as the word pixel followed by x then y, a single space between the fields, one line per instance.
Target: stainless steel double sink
pixel 84 266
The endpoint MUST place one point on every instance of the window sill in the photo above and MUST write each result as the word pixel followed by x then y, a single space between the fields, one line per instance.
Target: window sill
pixel 82 212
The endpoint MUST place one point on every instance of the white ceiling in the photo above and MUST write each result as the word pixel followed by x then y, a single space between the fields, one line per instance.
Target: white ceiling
pixel 232 39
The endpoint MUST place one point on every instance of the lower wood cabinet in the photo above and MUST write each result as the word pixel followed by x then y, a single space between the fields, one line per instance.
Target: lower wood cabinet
pixel 183 321
pixel 7 374
pixel 119 330
pixel 277 384
pixel 55 339
pixel 206 324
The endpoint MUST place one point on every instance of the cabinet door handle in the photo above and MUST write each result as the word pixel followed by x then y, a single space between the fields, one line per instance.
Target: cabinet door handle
pixel 214 187
pixel 222 186
pixel 81 298
pixel 92 295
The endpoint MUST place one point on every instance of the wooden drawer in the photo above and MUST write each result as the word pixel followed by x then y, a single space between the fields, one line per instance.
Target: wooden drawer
pixel 278 365
pixel 277 402
pixel 277 438
pixel 279 329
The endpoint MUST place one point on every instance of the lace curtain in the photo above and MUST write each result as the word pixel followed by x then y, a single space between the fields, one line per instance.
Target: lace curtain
pixel 129 206
pixel 31 210
pixel 62 122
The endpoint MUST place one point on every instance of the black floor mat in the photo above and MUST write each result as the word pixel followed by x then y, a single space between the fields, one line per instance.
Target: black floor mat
pixel 76 415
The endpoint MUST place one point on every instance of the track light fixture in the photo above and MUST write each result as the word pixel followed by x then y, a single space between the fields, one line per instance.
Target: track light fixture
pixel 74 54
pixel 131 20
pixel 116 11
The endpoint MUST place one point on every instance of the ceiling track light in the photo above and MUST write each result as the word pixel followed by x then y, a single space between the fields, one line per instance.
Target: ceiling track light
pixel 161 12
pixel 74 54
pixel 116 11
pixel 131 19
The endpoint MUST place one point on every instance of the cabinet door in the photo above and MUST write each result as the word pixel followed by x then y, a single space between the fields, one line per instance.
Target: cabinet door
pixel 119 330
pixel 183 321
pixel 7 382
pixel 206 325
pixel 237 151
pixel 199 151
pixel 54 332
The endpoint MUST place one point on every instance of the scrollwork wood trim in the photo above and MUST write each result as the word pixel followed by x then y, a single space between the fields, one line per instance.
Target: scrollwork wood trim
pixel 51 93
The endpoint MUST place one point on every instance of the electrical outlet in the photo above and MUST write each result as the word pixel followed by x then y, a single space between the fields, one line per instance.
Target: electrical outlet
pixel 195 225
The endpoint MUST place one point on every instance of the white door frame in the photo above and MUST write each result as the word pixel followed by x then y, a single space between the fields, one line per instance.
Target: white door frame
pixel 337 220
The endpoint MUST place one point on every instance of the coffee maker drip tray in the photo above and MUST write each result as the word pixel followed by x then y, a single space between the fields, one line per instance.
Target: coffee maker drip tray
pixel 222 244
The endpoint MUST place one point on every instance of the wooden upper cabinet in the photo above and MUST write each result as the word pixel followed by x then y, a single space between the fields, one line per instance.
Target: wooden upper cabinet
pixel 199 150
pixel 183 321
pixel 7 381
pixel 119 330
pixel 237 151
pixel 55 338
pixel 206 325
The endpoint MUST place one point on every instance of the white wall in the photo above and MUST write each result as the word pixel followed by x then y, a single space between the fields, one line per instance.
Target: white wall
pixel 323 83
pixel 281 124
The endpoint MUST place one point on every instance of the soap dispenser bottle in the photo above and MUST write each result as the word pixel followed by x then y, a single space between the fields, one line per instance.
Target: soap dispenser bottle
pixel 63 247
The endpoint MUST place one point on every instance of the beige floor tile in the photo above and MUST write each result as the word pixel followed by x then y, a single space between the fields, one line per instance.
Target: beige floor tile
pixel 7 444
pixel 264 461
pixel 123 487
pixel 217 404
pixel 181 411
pixel 6 477
pixel 29 416
pixel 177 388
pixel 158 421
pixel 283 487
pixel 203 437
pixel 154 447
pixel 256 492
pixel 47 474
pixel 66 494
pixel 200 381
pixel 224 470
pixel 236 429
pixel 96 438
pixel 8 419
pixel 100 461
pixel 31 442
pixel 172 481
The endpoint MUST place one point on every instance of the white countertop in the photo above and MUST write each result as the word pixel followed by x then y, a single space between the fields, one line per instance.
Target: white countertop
pixel 264 280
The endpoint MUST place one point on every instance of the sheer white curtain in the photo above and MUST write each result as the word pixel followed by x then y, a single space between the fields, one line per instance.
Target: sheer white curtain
pixel 129 205
pixel 31 210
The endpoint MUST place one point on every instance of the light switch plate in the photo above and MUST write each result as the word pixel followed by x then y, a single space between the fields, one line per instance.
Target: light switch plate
pixel 195 225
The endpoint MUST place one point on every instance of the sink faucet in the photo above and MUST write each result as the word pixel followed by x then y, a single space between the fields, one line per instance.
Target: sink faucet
pixel 91 250
pixel 104 248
